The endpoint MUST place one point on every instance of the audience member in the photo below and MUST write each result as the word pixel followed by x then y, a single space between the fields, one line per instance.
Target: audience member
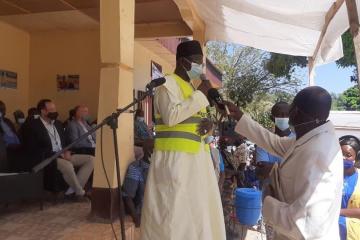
pixel 8 129
pixel 134 183
pixel 47 138
pixel 79 126
pixel 266 160
pixel 218 161
pixel 71 117
pixel 11 140
pixel 19 117
pixel 32 114
pixel 349 221
pixel 141 129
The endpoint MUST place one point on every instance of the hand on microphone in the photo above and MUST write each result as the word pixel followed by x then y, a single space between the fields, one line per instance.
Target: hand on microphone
pixel 234 110
pixel 204 87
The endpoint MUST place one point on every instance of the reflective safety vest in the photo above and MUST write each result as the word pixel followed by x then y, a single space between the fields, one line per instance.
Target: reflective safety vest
pixel 182 137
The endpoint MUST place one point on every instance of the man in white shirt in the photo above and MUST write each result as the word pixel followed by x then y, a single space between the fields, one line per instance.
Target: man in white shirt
pixel 305 194
pixel 48 137
pixel 79 126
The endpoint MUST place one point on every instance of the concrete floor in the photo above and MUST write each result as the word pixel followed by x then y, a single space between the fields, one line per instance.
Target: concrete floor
pixel 64 221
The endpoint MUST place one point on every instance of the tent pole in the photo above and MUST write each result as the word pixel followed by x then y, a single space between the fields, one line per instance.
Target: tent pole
pixel 354 30
pixel 311 69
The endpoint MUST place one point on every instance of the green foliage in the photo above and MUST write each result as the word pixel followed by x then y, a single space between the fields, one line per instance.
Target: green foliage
pixel 336 104
pixel 282 65
pixel 245 73
pixel 349 59
pixel 349 100
pixel 260 108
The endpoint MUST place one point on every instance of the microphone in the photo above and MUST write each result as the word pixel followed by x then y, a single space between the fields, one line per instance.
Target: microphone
pixel 215 96
pixel 155 83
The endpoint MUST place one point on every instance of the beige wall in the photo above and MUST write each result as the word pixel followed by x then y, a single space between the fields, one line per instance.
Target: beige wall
pixel 142 68
pixel 65 53
pixel 39 57
pixel 14 56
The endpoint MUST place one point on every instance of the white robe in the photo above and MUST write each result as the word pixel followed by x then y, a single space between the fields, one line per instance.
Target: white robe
pixel 310 181
pixel 182 199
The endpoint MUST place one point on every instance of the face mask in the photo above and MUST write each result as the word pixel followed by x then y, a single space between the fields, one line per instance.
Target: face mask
pixel 87 118
pixel 348 164
pixel 229 148
pixel 141 119
pixel 282 123
pixel 195 71
pixel 209 139
pixel 52 115
pixel 21 120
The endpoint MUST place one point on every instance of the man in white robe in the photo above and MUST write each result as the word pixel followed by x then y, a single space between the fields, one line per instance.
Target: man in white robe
pixel 182 199
pixel 305 195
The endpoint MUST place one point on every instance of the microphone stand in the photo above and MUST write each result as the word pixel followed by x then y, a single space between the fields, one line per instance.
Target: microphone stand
pixel 112 122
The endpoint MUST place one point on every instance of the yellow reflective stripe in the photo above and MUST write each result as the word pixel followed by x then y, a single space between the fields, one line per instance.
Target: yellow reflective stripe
pixel 178 134
pixel 177 145
pixel 180 127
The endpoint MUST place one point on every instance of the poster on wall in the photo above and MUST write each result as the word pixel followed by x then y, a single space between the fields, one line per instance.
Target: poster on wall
pixel 156 70
pixel 69 82
pixel 8 79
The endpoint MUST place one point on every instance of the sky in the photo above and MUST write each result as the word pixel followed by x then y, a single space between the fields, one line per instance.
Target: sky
pixel 329 76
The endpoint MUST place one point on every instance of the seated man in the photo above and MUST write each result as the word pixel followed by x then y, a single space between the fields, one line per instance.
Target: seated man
pixel 265 160
pixel 19 117
pixel 141 129
pixel 32 114
pixel 47 138
pixel 11 140
pixel 79 126
pixel 8 129
pixel 134 183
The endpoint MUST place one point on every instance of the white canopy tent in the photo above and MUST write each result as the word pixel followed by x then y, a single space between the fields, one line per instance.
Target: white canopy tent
pixel 310 28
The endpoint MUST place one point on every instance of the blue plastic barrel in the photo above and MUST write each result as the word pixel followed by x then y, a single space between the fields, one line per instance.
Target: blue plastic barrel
pixel 248 203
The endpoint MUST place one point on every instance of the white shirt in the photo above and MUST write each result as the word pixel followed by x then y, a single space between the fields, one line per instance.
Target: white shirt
pixel 310 181
pixel 91 140
pixel 53 134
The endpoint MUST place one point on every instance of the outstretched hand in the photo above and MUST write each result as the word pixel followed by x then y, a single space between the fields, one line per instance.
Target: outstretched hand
pixel 234 111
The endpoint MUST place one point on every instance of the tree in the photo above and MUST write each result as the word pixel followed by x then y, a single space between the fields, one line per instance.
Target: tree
pixel 349 100
pixel 260 108
pixel 282 65
pixel 245 73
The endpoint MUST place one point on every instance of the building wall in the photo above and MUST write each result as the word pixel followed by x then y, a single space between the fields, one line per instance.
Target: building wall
pixel 65 53
pixel 142 65
pixel 77 53
pixel 14 56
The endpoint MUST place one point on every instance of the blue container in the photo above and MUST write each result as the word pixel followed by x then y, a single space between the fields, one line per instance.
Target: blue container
pixel 248 203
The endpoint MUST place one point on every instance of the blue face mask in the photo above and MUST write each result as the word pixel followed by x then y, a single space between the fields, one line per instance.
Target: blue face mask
pixel 282 123
pixel 209 139
pixel 348 164
pixel 195 71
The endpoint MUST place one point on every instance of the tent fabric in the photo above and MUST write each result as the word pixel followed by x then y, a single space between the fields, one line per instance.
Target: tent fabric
pixel 282 26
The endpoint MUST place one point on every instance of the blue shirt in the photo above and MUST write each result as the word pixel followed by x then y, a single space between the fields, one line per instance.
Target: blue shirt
pixel 263 156
pixel 9 136
pixel 141 130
